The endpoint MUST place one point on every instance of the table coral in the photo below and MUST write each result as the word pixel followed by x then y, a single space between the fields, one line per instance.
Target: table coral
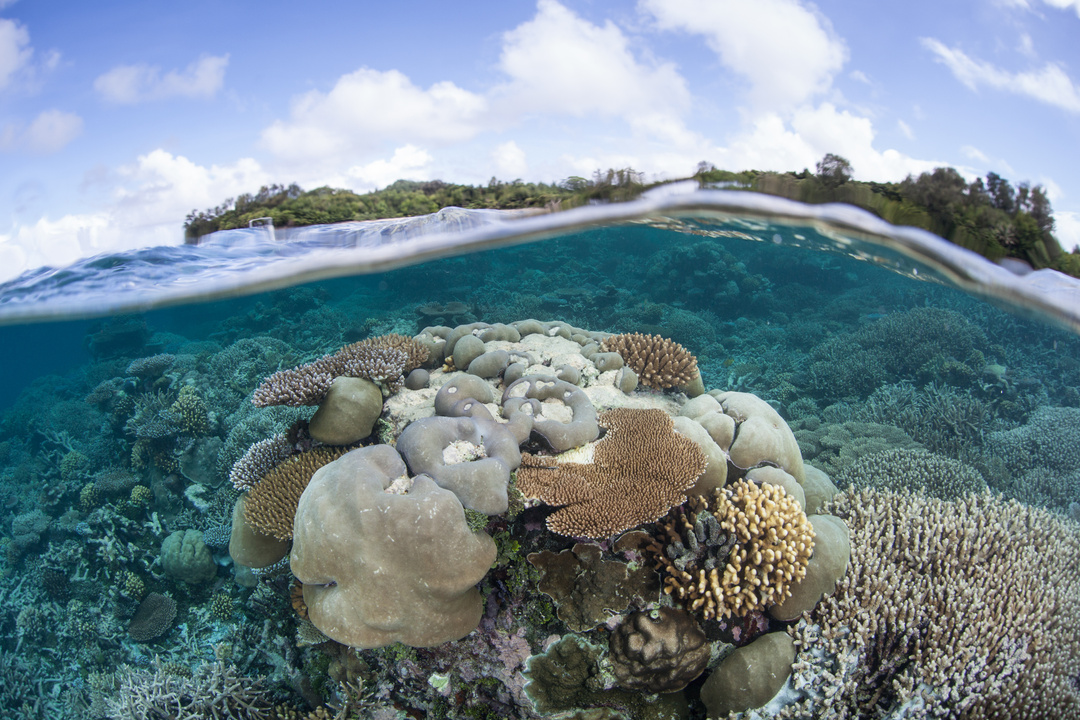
pixel 640 470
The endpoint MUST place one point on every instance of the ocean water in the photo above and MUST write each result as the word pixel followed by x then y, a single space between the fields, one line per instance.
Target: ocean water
pixel 912 409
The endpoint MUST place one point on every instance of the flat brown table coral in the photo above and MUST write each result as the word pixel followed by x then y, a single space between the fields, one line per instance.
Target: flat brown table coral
pixel 640 470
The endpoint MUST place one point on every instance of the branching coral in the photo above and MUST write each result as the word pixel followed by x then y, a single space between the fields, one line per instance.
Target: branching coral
pixel 383 359
pixel 760 548
pixel 659 362
pixel 969 607
pixel 212 691
pixel 640 470
pixel 271 503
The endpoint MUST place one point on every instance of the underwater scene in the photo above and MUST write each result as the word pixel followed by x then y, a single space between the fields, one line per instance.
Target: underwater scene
pixel 659 464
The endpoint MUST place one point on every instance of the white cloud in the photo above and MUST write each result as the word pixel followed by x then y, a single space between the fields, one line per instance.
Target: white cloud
pixel 905 129
pixel 1067 229
pixel 48 133
pixel 786 49
pixel 561 63
pixel 1065 5
pixel 129 84
pixel 15 49
pixel 52 130
pixel 1050 84
pixel 509 161
pixel 368 108
pixel 555 64
pixel 974 153
pixel 408 162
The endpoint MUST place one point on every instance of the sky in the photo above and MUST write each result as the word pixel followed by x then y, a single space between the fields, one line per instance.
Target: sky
pixel 117 119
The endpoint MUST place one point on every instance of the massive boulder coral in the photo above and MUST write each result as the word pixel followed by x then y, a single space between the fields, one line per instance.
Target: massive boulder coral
pixel 470 456
pixel 658 652
pixel 386 558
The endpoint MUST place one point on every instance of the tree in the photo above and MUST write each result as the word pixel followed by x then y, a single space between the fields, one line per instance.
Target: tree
pixel 1001 193
pixel 1041 210
pixel 833 170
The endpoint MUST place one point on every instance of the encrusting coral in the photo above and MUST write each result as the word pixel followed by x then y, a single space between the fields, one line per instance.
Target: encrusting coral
pixel 639 470
pixel 659 362
pixel 660 651
pixel 271 503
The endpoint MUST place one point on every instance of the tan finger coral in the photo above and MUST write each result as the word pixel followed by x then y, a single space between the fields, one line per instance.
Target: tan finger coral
pixel 739 551
pixel 659 362
pixel 271 504
pixel 773 544
pixel 640 470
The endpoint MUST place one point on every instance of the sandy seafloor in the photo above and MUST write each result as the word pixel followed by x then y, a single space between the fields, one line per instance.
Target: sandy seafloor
pixel 950 427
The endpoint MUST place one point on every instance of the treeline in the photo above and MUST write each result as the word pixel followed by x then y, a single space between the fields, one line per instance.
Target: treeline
pixel 990 217
pixel 290 206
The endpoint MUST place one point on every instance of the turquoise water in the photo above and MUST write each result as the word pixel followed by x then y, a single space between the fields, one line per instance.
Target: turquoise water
pixel 937 395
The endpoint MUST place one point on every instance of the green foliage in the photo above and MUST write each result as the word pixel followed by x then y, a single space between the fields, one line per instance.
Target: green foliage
pixel 991 218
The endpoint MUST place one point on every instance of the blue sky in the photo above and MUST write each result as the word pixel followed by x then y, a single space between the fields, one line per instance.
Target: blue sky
pixel 119 118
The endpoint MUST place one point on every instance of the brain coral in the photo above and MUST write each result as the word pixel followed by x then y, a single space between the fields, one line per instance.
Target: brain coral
pixel 387 558
pixel 640 470
pixel 659 362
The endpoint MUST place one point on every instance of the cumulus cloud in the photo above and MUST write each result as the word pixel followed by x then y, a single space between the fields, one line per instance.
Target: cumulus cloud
pixel 130 84
pixel 407 162
pixel 368 108
pixel 509 161
pixel 558 62
pixel 15 49
pixel 1050 84
pixel 785 49
pixel 147 208
pixel 48 133
pixel 1067 230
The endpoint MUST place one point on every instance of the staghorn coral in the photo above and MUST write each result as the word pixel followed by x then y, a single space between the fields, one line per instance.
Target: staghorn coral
pixel 153 618
pixel 259 460
pixel 271 504
pixel 937 476
pixel 152 419
pixel 384 359
pixel 658 652
pixel 211 691
pixel 968 608
pixel 659 362
pixel 640 470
